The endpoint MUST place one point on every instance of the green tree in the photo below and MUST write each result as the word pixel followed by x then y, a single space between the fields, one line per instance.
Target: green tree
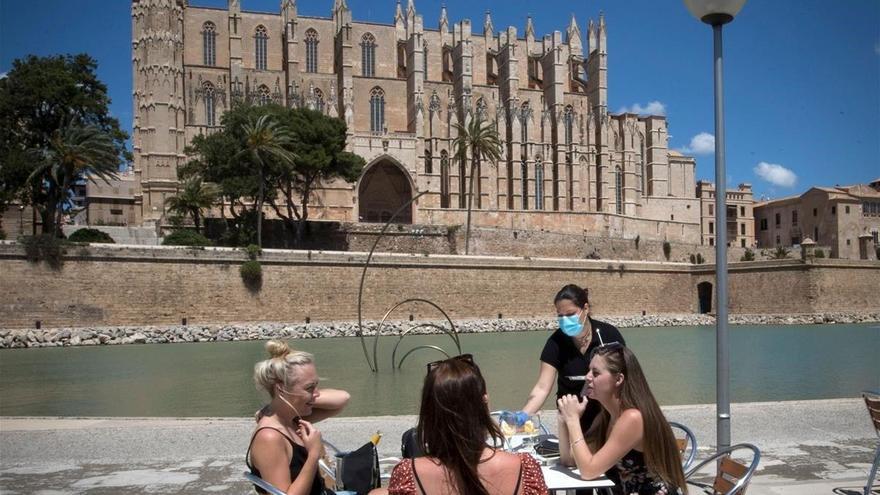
pixel 264 140
pixel 319 145
pixel 195 196
pixel 73 153
pixel 39 96
pixel 479 139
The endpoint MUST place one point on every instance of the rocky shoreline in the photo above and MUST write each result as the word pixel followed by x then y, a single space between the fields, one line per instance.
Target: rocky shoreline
pixel 91 336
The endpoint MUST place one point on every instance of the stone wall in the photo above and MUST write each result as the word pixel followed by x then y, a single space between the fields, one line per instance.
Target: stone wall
pixel 114 285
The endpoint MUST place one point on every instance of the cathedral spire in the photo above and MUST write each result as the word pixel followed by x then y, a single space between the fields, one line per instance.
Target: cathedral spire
pixel 444 21
pixel 488 28
pixel 591 37
pixel 573 37
pixel 530 28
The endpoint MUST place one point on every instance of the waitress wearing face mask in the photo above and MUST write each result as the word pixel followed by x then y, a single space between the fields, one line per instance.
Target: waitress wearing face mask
pixel 284 449
pixel 565 357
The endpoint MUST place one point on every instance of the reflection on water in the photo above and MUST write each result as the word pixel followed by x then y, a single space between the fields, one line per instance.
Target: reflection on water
pixel 214 379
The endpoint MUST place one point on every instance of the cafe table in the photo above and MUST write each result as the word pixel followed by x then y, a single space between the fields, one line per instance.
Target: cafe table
pixel 558 478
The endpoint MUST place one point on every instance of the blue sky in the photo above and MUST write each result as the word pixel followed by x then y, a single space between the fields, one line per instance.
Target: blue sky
pixel 802 77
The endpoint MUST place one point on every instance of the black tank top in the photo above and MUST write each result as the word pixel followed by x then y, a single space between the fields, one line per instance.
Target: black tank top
pixel 297 461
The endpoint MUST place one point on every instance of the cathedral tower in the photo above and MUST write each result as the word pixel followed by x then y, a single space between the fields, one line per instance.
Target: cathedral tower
pixel 159 111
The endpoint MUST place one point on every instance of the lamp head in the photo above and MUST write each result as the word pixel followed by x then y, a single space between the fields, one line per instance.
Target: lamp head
pixel 714 12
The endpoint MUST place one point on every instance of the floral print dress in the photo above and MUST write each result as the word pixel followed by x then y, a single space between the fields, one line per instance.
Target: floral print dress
pixel 636 479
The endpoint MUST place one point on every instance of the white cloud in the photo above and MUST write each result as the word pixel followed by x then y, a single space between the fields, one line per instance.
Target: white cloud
pixel 3 75
pixel 652 108
pixel 701 144
pixel 776 174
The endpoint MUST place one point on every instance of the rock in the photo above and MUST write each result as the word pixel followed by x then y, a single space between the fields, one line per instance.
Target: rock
pixel 139 338
pixel 75 340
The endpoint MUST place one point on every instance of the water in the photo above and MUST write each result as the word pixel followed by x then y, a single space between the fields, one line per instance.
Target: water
pixel 768 363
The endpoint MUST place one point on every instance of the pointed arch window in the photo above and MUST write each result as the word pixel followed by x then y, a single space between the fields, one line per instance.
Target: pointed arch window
pixel 368 55
pixel 311 39
pixel 524 173
pixel 209 43
pixel 539 184
pixel 444 179
pixel 210 114
pixel 568 118
pixel 618 189
pixel 481 109
pixel 264 97
pixel 319 100
pixel 377 110
pixel 261 46
pixel 425 60
pixel 429 166
pixel 524 113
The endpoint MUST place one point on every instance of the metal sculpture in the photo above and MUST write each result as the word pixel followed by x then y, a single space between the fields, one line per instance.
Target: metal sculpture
pixel 452 332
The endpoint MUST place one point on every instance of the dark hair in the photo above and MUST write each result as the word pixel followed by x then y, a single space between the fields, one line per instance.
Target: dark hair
pixel 575 294
pixel 454 421
pixel 659 446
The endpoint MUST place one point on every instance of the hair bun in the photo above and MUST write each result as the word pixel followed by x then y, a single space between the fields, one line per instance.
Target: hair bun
pixel 277 348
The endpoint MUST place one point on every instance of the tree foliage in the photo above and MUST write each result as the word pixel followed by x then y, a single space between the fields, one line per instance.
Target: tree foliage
pixel 480 139
pixel 308 148
pixel 46 99
pixel 195 195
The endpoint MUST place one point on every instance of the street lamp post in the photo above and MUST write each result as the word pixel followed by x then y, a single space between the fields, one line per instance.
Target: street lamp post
pixel 718 13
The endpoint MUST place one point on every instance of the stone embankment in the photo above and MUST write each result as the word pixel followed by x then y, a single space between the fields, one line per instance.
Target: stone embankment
pixel 90 336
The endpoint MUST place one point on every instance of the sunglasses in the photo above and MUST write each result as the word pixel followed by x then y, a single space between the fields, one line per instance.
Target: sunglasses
pixel 606 347
pixel 466 358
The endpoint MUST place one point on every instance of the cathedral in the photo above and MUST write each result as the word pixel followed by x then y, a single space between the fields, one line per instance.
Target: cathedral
pixel 568 164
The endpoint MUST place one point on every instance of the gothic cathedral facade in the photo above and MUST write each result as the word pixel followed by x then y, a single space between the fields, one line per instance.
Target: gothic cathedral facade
pixel 567 165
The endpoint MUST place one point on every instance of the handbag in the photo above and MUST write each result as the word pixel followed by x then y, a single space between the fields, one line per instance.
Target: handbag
pixel 358 470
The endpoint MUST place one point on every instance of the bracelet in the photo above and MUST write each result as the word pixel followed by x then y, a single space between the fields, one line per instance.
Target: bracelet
pixel 579 440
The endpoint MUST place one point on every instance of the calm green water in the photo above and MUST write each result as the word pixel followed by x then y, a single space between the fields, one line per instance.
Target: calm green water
pixel 214 379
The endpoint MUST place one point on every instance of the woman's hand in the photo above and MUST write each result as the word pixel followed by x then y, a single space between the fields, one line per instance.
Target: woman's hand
pixel 571 407
pixel 311 438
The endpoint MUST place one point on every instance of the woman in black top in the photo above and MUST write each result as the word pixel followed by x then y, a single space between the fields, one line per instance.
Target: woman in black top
pixel 565 357
pixel 285 448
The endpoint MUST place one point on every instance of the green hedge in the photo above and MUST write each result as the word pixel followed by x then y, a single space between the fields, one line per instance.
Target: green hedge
pixel 91 235
pixel 185 237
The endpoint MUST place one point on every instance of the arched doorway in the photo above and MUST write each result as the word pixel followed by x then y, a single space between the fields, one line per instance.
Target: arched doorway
pixel 704 293
pixel 384 188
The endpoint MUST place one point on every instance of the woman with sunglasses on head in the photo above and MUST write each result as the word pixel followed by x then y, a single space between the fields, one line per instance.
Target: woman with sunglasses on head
pixel 565 355
pixel 630 432
pixel 285 448
pixel 454 425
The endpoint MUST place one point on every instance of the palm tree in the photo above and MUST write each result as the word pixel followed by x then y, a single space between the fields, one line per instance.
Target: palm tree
pixel 482 140
pixel 74 152
pixel 195 197
pixel 265 140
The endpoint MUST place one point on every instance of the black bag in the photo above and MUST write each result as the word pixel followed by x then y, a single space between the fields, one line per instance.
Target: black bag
pixel 358 470
pixel 410 447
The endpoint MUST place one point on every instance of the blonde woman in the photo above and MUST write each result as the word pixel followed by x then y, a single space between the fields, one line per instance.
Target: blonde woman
pixel 285 448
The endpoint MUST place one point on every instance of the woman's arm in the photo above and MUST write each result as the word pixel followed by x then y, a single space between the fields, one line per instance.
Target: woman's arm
pixel 330 403
pixel 565 457
pixel 542 389
pixel 626 434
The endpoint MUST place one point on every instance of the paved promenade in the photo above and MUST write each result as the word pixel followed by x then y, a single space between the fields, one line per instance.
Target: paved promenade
pixel 809 447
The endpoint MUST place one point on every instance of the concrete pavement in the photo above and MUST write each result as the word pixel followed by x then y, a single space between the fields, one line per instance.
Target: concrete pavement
pixel 808 447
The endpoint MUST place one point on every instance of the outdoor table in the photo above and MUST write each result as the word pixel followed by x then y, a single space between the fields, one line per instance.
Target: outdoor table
pixel 556 476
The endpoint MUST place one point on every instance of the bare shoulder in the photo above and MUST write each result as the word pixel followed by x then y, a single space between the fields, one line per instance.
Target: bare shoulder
pixel 630 420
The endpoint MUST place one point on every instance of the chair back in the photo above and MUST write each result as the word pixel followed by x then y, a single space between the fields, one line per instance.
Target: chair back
pixel 732 477
pixel 263 484
pixel 872 401
pixel 687 446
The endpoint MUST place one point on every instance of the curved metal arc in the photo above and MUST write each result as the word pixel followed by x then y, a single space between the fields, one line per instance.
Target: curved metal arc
pixel 421 325
pixel 374 366
pixel 426 346
pixel 454 334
